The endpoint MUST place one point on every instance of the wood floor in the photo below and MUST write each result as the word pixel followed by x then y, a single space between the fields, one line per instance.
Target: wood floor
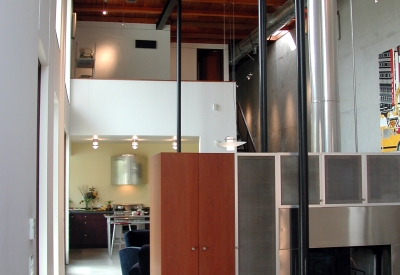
pixel 93 262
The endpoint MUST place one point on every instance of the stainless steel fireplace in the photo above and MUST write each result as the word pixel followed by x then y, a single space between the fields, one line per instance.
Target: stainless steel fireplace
pixel 353 216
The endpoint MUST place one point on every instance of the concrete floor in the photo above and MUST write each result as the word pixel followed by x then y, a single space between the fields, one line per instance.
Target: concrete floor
pixel 93 262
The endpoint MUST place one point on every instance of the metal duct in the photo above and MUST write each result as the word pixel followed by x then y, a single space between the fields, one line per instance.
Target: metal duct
pixel 325 130
pixel 275 22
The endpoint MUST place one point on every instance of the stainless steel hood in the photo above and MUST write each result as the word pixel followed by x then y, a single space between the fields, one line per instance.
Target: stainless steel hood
pixel 128 170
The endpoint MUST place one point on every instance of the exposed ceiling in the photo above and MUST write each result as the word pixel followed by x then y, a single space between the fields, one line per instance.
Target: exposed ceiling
pixel 203 21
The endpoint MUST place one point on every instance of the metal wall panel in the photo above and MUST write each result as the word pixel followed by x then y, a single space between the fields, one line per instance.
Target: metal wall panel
pixel 290 179
pixel 343 226
pixel 256 215
pixel 343 179
pixel 383 176
pixel 395 259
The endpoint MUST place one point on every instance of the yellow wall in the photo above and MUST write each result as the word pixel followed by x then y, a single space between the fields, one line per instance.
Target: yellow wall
pixel 93 168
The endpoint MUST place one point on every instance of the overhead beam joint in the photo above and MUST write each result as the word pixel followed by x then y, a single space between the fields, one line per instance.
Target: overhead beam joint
pixel 169 6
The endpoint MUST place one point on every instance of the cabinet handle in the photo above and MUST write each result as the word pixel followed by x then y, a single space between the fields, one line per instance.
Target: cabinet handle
pixel 193 248
pixel 204 248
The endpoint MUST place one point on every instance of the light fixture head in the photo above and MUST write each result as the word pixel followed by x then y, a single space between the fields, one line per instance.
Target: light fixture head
pixel 95 143
pixel 135 143
pixel 230 143
pixel 174 143
pixel 249 76
pixel 105 9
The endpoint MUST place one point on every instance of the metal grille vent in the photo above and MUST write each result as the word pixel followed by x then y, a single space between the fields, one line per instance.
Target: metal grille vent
pixel 290 183
pixel 383 178
pixel 343 179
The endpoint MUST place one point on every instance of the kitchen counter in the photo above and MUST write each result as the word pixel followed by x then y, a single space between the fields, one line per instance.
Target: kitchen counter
pixel 88 228
pixel 94 211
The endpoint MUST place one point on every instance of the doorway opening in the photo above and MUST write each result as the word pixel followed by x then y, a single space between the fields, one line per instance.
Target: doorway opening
pixel 210 65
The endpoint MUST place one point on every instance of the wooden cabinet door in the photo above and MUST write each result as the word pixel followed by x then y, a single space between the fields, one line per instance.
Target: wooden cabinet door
pixel 87 230
pixel 75 230
pixel 95 231
pixel 175 198
pixel 216 214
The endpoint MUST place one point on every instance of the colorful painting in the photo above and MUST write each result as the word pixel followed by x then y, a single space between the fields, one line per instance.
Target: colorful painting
pixel 389 89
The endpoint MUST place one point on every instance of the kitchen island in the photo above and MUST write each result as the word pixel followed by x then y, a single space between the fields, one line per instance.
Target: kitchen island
pixel 88 229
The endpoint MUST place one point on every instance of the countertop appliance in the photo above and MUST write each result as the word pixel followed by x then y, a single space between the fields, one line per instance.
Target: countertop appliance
pixel 126 208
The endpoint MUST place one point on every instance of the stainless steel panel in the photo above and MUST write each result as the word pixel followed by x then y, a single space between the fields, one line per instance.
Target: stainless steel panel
pixel 288 228
pixel 343 226
pixel 395 259
pixel 354 226
pixel 285 261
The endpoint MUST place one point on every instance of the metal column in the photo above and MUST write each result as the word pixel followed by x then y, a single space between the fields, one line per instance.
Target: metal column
pixel 303 230
pixel 262 25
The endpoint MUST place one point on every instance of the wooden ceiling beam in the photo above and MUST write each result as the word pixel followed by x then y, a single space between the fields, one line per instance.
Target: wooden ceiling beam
pixel 238 2
pixel 122 9
pixel 117 19
pixel 158 11
pixel 207 36
pixel 219 26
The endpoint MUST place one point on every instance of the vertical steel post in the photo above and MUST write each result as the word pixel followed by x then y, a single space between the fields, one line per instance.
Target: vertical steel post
pixel 303 217
pixel 178 73
pixel 262 56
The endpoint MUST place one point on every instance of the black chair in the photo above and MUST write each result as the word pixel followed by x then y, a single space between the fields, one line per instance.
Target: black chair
pixel 128 257
pixel 135 260
pixel 137 238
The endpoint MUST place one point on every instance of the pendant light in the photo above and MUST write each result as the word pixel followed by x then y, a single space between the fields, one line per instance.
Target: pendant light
pixel 135 143
pixel 230 143
pixel 95 143
pixel 174 143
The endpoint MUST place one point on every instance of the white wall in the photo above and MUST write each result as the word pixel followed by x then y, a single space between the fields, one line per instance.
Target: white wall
pixel 18 133
pixel 116 55
pixel 125 108
pixel 375 30
pixel 29 34
pixel 189 59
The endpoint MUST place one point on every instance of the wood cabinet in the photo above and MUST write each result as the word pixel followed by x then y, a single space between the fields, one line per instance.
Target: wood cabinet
pixel 193 214
pixel 87 230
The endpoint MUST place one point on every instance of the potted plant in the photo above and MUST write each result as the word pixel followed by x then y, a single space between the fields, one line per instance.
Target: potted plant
pixel 108 204
pixel 89 196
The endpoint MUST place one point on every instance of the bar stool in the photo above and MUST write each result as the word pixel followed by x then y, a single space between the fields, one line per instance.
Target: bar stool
pixel 117 224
